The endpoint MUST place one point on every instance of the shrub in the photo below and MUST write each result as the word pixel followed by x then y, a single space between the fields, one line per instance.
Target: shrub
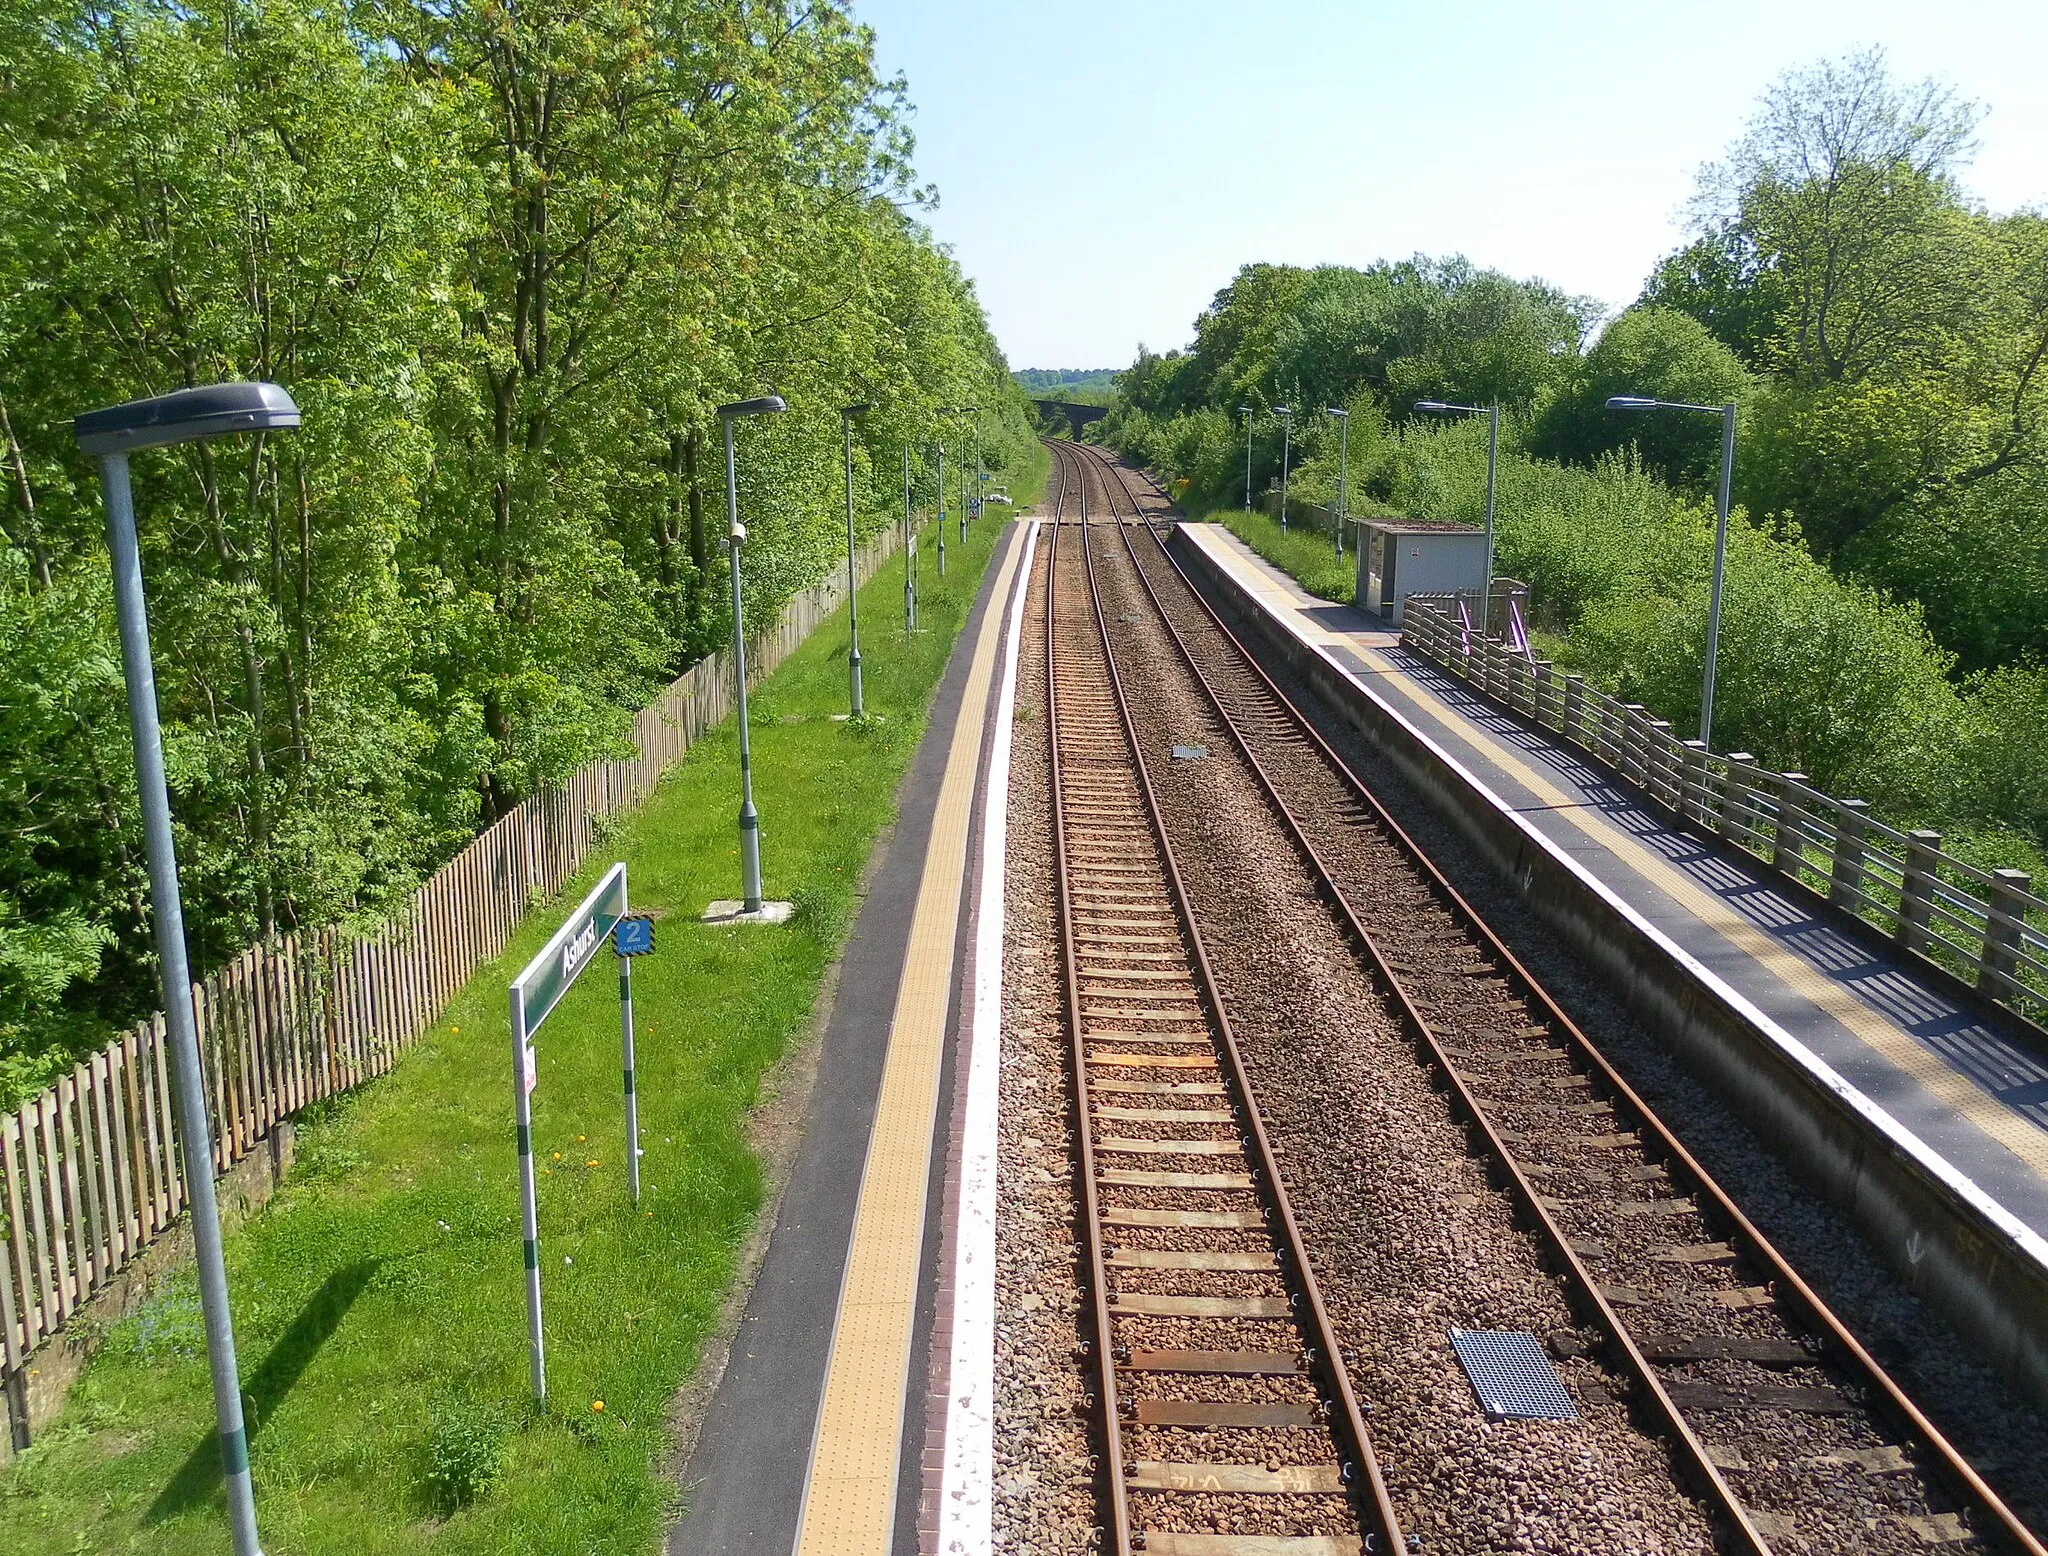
pixel 465 1452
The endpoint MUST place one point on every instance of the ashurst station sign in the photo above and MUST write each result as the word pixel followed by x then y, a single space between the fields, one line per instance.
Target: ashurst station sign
pixel 535 993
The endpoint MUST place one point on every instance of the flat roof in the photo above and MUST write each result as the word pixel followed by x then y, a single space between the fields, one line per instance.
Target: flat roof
pixel 1420 527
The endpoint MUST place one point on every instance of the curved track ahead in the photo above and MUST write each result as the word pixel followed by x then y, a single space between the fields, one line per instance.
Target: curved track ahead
pixel 1530 1086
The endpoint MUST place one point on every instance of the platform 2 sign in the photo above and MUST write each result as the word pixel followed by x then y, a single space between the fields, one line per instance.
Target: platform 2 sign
pixel 602 918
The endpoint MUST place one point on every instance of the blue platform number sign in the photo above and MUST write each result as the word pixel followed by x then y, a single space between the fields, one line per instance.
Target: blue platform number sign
pixel 633 937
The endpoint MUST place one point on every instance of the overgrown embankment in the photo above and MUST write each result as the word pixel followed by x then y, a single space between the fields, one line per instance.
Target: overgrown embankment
pixel 379 1297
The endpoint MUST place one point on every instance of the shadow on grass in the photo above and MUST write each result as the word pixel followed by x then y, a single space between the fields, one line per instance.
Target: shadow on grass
pixel 200 1475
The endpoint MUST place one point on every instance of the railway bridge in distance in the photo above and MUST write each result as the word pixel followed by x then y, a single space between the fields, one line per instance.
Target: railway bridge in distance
pixel 1078 416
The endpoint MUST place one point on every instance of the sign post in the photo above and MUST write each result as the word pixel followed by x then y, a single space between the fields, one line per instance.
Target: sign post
pixel 534 995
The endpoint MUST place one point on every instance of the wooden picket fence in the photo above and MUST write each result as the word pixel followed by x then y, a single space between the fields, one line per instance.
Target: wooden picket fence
pixel 92 1167
pixel 1987 927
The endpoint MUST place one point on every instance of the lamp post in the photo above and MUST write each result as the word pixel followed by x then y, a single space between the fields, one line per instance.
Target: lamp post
pixel 736 536
pixel 968 410
pixel 910 552
pixel 1286 446
pixel 1343 468
pixel 940 527
pixel 846 415
pixel 1631 402
pixel 1492 415
pixel 111 435
pixel 1246 412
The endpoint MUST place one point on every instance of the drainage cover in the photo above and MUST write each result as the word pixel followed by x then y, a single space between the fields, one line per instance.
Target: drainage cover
pixel 1511 1375
pixel 1190 753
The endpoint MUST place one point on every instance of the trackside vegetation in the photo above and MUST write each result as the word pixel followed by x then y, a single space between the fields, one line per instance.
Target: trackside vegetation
pixel 1886 340
pixel 508 259
pixel 379 1296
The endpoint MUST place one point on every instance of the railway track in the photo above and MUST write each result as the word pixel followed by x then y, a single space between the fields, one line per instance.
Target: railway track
pixel 1227 1419
pixel 1776 1419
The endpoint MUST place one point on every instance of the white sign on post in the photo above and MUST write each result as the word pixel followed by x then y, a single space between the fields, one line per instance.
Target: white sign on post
pixel 534 995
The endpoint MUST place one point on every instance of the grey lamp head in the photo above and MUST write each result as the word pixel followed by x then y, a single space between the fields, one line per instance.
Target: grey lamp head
pixel 185 416
pixel 1244 410
pixel 1282 410
pixel 857 410
pixel 1331 410
pixel 1631 402
pixel 1434 407
pixel 765 405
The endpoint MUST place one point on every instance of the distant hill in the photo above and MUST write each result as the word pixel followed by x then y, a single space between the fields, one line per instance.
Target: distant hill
pixel 1052 383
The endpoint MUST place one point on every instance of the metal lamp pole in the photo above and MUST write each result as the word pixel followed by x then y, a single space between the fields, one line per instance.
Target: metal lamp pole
pixel 1246 412
pixel 846 415
pixel 1630 402
pixel 910 552
pixel 941 525
pixel 1286 446
pixel 112 435
pixel 1343 469
pixel 1492 415
pixel 968 410
pixel 736 535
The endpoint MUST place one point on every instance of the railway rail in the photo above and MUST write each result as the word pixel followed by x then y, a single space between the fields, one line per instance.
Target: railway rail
pixel 1228 1423
pixel 1776 1419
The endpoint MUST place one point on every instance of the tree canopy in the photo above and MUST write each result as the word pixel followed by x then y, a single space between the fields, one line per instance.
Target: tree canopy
pixel 507 259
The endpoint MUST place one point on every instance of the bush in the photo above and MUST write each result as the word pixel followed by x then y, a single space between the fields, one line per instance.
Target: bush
pixel 465 1452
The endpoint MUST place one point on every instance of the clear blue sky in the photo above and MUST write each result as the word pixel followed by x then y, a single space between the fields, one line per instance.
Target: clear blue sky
pixel 1103 169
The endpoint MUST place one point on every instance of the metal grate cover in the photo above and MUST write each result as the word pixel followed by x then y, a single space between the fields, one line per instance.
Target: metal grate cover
pixel 1190 753
pixel 1512 1377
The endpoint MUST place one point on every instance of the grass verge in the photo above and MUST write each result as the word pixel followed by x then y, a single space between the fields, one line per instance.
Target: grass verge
pixel 378 1299
pixel 1309 559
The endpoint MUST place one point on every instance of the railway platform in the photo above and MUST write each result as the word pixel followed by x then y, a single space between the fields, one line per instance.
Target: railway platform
pixel 827 1430
pixel 1950 1075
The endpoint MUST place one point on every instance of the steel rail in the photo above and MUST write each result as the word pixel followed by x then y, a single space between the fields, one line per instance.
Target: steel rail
pixel 1321 1347
pixel 1102 1347
pixel 1863 1367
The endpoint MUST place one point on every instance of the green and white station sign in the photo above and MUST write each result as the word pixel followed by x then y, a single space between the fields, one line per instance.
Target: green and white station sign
pixel 603 918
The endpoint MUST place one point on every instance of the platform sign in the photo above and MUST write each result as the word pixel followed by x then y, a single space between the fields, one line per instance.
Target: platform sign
pixel 601 919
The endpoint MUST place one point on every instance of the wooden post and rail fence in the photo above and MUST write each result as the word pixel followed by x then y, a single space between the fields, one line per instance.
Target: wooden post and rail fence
pixel 1987 927
pixel 90 1168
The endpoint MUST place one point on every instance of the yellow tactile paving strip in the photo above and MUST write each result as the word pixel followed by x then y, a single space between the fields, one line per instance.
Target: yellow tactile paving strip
pixel 849 1498
pixel 1890 1042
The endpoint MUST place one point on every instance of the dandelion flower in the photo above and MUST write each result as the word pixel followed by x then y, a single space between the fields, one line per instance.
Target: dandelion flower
pixel 455 1029
pixel 579 1139
pixel 597 1404
pixel 558 1156
pixel 591 1163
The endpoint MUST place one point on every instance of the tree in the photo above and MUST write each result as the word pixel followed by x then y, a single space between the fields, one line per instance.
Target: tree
pixel 1651 351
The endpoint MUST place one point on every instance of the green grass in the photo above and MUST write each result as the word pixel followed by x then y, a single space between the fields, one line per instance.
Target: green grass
pixel 1306 557
pixel 378 1298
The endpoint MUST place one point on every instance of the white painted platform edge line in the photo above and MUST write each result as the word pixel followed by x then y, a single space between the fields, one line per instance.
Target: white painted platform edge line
pixel 1951 1177
pixel 966 1482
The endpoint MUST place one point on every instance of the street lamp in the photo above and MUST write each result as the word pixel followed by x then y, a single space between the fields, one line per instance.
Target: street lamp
pixel 910 552
pixel 736 536
pixel 1343 468
pixel 1492 415
pixel 846 415
pixel 1286 443
pixel 186 416
pixel 1632 402
pixel 1246 412
pixel 967 410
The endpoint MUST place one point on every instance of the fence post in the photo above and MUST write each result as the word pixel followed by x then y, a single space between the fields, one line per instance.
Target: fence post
pixel 1737 814
pixel 1660 765
pixel 1694 798
pixel 1573 727
pixel 1916 888
pixel 1846 874
pixel 1786 847
pixel 1629 743
pixel 1997 973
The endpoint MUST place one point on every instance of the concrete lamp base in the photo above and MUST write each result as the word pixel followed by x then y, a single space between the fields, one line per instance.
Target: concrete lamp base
pixel 730 910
